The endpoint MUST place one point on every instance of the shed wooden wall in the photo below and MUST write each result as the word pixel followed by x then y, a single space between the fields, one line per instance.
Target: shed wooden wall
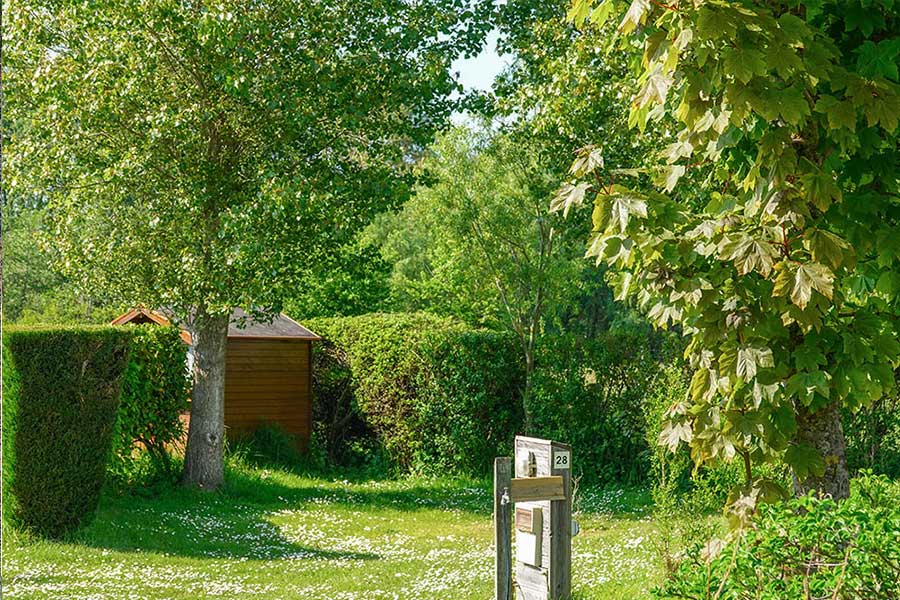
pixel 268 381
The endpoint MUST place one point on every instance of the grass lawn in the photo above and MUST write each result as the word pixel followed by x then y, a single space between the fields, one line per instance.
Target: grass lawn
pixel 273 534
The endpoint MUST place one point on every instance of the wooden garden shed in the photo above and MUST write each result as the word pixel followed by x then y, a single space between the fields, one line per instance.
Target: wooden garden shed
pixel 268 373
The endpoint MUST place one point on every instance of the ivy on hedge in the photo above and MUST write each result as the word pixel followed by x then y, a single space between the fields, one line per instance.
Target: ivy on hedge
pixel 61 390
pixel 155 392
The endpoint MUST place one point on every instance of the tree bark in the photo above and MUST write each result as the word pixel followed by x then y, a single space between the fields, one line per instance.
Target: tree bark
pixel 203 458
pixel 526 394
pixel 822 430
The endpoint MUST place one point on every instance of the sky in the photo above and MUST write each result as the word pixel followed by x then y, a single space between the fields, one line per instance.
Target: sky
pixel 478 73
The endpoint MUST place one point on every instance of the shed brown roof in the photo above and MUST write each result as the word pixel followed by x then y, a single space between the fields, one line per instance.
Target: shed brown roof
pixel 242 324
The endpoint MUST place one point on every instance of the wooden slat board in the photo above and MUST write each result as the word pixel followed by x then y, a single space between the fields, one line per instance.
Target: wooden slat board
pixel 502 519
pixel 528 489
pixel 268 381
pixel 561 543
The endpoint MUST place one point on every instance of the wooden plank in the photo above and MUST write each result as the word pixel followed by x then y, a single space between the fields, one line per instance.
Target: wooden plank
pixel 263 369
pixel 264 386
pixel 264 415
pixel 525 489
pixel 268 415
pixel 257 396
pixel 270 409
pixel 502 523
pixel 529 520
pixel 560 574
pixel 531 583
pixel 275 362
pixel 294 357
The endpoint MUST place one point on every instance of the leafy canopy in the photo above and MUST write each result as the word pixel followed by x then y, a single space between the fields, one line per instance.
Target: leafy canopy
pixel 475 241
pixel 204 155
pixel 768 233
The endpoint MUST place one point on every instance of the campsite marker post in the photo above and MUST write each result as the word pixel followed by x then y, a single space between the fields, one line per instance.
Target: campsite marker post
pixel 542 494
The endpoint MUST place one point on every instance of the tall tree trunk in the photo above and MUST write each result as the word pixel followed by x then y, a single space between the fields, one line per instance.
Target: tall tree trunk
pixel 822 430
pixel 526 395
pixel 203 460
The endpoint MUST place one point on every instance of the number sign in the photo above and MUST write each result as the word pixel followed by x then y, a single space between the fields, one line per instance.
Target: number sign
pixel 562 459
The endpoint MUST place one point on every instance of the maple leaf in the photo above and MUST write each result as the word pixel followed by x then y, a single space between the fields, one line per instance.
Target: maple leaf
pixel 655 89
pixel 626 205
pixel 751 358
pixel 809 277
pixel 635 16
pixel 567 196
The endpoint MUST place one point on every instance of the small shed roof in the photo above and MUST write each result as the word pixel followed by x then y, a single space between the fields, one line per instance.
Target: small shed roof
pixel 242 325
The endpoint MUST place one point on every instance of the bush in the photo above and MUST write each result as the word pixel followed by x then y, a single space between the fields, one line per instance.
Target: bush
pixel 155 392
pixel 804 548
pixel 591 393
pixel 469 406
pixel 61 389
pixel 873 437
pixel 364 377
pixel 424 392
pixel 271 445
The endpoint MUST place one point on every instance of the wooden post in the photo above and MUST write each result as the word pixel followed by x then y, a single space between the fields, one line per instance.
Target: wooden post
pixel 547 486
pixel 502 526
pixel 561 526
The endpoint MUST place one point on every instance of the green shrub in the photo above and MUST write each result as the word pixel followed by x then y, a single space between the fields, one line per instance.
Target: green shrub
pixel 271 444
pixel 804 548
pixel 670 472
pixel 61 389
pixel 422 392
pixel 469 408
pixel 155 392
pixel 369 365
pixel 591 393
pixel 873 437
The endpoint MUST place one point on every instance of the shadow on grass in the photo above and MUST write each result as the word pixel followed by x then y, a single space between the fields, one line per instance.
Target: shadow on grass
pixel 199 525
pixel 236 522
pixel 284 489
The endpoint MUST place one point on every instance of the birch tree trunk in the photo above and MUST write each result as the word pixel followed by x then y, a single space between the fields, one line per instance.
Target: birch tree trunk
pixel 203 460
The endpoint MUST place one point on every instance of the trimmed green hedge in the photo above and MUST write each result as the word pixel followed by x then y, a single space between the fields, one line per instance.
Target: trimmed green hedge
pixel 469 407
pixel 155 391
pixel 436 397
pixel 591 393
pixel 61 390
pixel 428 392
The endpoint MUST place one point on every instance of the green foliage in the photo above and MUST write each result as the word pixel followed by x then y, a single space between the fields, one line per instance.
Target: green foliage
pixel 214 156
pixel 475 242
pixel 770 235
pixel 382 356
pixel 207 157
pixel 468 408
pixel 435 396
pixel 272 445
pixel 804 548
pixel 873 437
pixel 350 280
pixel 562 88
pixel 432 394
pixel 34 293
pixel 669 471
pixel 155 391
pixel 591 393
pixel 61 389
